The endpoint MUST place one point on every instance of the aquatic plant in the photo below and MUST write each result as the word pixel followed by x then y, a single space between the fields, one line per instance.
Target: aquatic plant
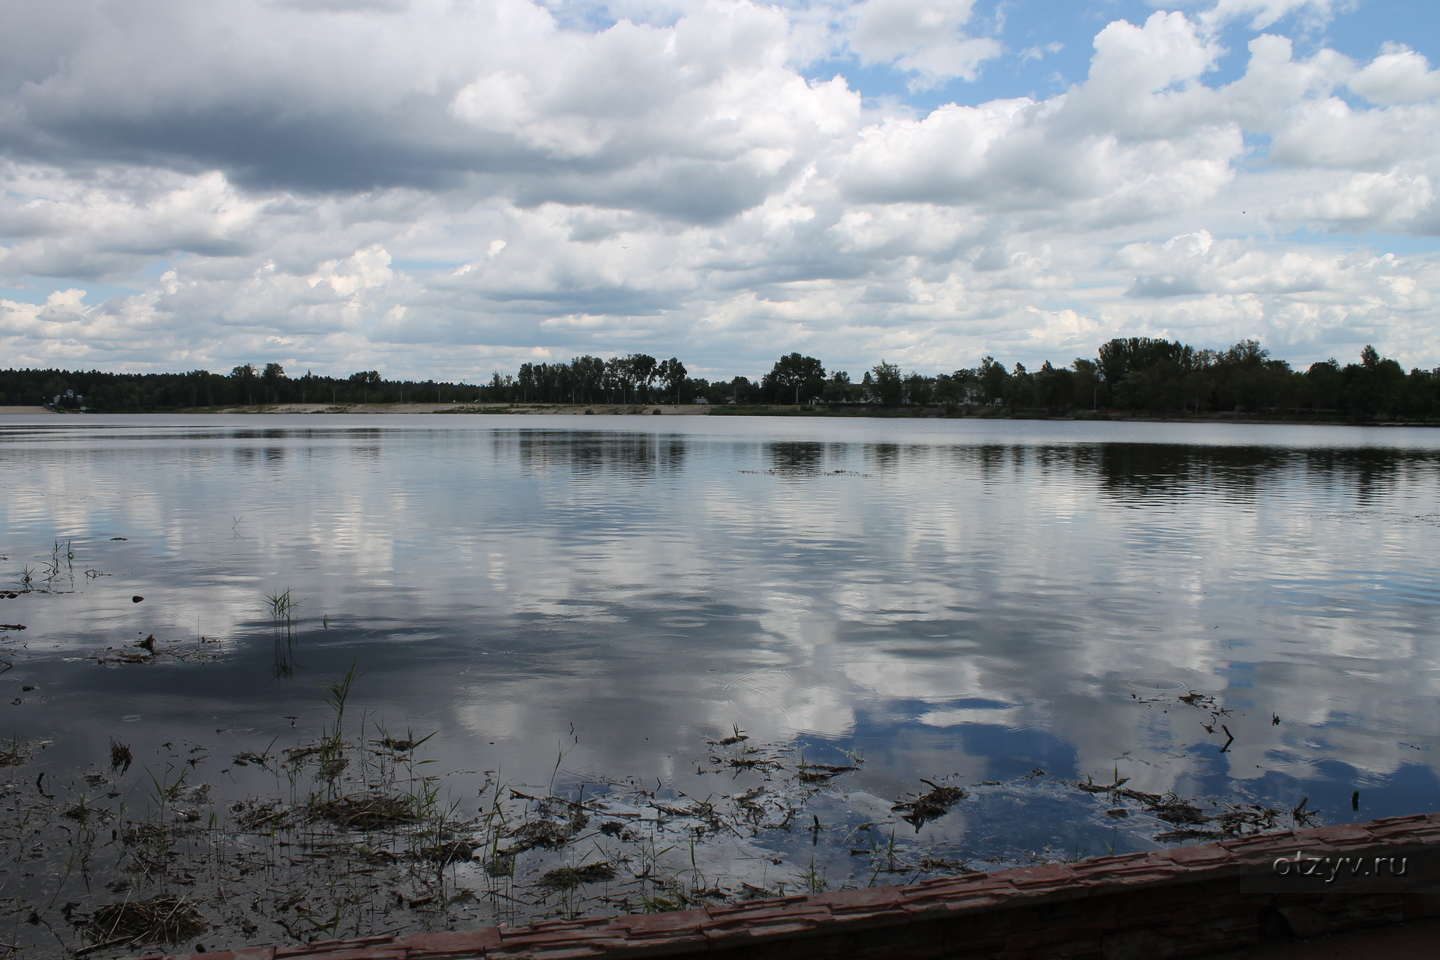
pixel 15 754
pixel 120 756
pixel 359 838
pixel 282 608
pixel 162 919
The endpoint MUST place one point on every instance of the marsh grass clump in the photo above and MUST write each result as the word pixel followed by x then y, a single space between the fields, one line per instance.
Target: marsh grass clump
pixel 43 578
pixel 14 754
pixel 368 812
pixel 282 606
pixel 453 851
pixel 568 878
pixel 929 806
pixel 162 919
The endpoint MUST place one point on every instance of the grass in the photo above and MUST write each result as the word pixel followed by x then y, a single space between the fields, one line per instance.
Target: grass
pixel 42 578
pixel 15 754
pixel 356 837
pixel 282 608
pixel 162 919
pixel 332 753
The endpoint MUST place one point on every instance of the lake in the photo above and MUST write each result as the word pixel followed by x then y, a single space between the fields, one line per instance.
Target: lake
pixel 938 639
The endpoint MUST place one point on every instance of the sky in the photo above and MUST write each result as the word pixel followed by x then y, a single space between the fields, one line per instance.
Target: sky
pixel 447 188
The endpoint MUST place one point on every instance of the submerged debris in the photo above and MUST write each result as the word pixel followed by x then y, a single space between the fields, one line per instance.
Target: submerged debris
pixel 444 854
pixel 120 756
pixel 374 811
pixel 1192 821
pixel 363 846
pixel 822 772
pixel 152 650
pixel 929 806
pixel 568 878
pixel 164 919
pixel 547 834
pixel 261 816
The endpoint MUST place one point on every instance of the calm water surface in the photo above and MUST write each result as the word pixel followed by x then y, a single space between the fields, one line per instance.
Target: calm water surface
pixel 948 599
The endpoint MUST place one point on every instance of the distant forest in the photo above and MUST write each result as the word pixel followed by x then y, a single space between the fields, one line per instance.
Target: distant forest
pixel 1138 374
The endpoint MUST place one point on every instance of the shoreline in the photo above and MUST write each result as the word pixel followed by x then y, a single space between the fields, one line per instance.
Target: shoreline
pixel 1274 895
pixel 857 411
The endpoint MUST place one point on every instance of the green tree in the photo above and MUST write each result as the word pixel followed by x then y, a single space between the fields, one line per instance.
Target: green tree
pixel 643 370
pixel 672 373
pixel 365 381
pixel 1054 388
pixel 1019 390
pixel 272 377
pixel 1374 386
pixel 1088 383
pixel 792 377
pixel 839 389
pixel 1121 357
pixel 991 379
pixel 888 386
pixel 245 377
pixel 919 389
pixel 589 375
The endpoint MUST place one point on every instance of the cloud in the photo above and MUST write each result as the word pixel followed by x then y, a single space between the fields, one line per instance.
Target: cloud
pixel 443 187
pixel 923 37
pixel 1197 263
pixel 696 120
pixel 1109 150
pixel 1393 201
pixel 1262 14
pixel 1292 296
pixel 1398 75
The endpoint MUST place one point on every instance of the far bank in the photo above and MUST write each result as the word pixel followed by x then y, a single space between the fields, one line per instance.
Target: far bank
pixel 845 410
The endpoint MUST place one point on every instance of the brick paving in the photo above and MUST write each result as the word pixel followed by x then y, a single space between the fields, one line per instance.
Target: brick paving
pixel 1220 900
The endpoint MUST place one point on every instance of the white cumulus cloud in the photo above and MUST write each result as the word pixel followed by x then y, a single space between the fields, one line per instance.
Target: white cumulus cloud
pixel 443 188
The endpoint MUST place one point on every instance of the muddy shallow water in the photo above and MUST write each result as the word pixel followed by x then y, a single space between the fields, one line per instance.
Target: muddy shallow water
pixel 1216 622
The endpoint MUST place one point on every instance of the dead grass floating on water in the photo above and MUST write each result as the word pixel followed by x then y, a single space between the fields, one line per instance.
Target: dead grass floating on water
pixel 822 772
pixel 544 834
pixel 246 757
pixel 150 650
pixel 120 756
pixel 1193 822
pixel 568 878
pixel 929 806
pixel 261 817
pixel 164 919
pixel 372 811
pixel 444 854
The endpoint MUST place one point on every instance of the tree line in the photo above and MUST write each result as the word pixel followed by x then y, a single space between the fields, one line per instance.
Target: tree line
pixel 1132 374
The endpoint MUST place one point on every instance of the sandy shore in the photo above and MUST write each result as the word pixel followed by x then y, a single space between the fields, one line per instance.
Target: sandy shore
pixel 10 411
